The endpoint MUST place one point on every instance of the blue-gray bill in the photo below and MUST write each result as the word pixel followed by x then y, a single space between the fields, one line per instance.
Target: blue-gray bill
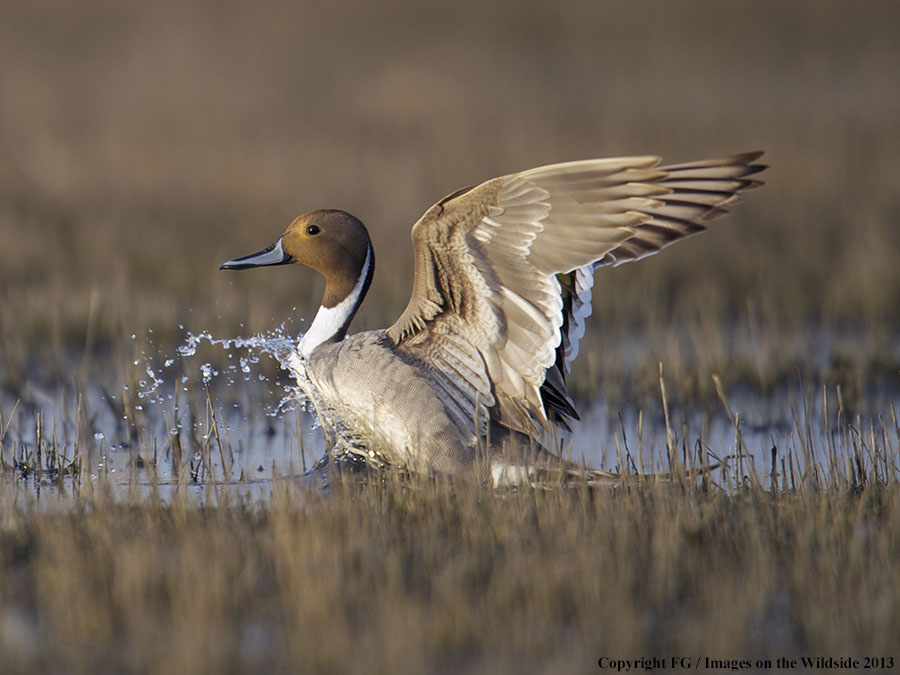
pixel 273 254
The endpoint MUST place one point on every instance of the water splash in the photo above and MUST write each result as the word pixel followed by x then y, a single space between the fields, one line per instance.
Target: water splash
pixel 277 344
pixel 208 373
pixel 153 385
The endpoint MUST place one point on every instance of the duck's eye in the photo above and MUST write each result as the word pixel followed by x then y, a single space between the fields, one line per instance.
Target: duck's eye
pixel 312 229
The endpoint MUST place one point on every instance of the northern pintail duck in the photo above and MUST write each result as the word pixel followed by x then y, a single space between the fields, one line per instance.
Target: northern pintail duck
pixel 501 291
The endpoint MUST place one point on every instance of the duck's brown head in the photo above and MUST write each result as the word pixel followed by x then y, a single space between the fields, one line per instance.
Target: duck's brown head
pixel 334 243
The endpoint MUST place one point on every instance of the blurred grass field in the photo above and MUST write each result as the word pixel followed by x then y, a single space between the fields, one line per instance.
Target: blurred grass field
pixel 143 143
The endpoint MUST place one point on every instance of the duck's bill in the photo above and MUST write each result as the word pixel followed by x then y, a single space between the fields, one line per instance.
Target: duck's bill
pixel 273 254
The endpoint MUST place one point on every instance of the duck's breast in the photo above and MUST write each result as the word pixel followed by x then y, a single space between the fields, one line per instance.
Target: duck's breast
pixel 389 402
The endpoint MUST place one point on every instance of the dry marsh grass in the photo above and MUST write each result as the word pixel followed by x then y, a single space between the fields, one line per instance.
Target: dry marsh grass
pixel 421 577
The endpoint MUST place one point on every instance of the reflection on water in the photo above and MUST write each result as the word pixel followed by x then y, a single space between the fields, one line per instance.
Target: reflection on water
pixel 237 422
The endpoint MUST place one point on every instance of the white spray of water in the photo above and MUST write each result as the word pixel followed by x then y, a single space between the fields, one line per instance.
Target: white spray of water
pixel 277 344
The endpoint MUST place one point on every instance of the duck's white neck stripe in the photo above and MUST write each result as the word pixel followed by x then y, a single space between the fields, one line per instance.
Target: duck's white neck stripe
pixel 331 321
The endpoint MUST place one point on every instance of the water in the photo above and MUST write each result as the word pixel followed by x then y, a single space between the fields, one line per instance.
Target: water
pixel 231 421
pixel 226 412
pixel 791 424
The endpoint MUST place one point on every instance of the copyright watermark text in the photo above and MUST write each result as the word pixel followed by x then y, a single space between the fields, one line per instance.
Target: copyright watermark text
pixel 651 663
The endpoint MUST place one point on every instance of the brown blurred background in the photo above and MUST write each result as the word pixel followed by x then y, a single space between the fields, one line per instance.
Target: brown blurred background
pixel 143 143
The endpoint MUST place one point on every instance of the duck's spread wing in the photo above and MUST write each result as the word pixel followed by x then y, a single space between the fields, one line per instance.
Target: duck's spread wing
pixel 503 271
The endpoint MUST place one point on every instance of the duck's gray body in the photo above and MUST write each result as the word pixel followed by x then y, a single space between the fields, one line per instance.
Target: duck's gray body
pixel 376 402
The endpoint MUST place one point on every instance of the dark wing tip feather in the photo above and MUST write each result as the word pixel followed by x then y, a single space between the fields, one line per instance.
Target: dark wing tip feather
pixel 746 157
pixel 711 213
